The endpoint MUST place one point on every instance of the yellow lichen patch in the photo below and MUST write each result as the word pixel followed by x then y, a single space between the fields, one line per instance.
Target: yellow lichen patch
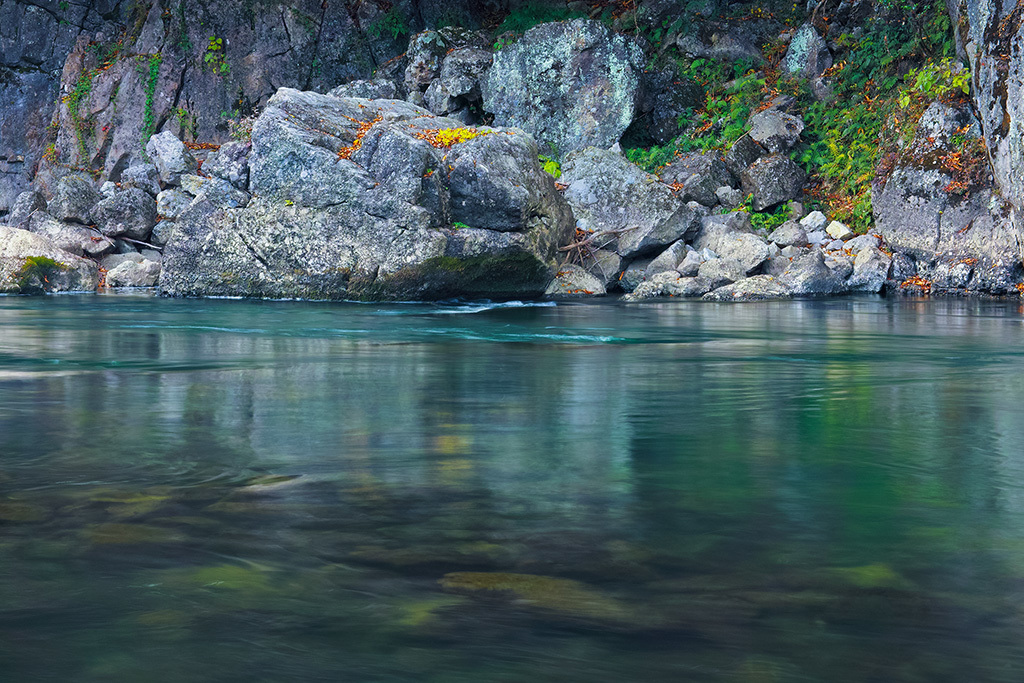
pixel 444 138
pixel 562 596
pixel 361 131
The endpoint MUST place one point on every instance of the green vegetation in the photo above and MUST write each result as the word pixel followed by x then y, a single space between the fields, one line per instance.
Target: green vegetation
pixel 214 57
pixel 76 102
pixel 765 221
pixel 846 134
pixel 523 18
pixel 526 16
pixel 551 166
pixel 187 120
pixel 36 272
pixel 149 69
pixel 732 91
pixel 393 23
pixel 458 225
pixel 845 137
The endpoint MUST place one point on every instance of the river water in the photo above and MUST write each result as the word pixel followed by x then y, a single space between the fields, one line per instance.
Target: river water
pixel 280 491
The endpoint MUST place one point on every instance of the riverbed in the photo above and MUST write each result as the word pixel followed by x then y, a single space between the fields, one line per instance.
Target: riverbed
pixel 254 491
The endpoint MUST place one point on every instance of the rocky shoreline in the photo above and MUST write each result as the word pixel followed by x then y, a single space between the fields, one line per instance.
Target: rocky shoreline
pixel 479 171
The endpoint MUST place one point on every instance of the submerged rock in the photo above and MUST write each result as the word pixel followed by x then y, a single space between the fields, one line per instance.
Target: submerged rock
pixel 557 596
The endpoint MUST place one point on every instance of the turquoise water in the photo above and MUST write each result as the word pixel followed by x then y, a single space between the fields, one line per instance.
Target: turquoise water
pixel 282 491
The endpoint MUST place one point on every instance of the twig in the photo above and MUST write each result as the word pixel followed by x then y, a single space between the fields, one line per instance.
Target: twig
pixel 589 240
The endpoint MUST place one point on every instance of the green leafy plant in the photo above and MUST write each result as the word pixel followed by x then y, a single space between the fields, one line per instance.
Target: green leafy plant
pixel 460 226
pixel 845 138
pixel 214 57
pixel 149 68
pixel 76 101
pixel 765 221
pixel 391 23
pixel 935 82
pixel 526 16
pixel 551 166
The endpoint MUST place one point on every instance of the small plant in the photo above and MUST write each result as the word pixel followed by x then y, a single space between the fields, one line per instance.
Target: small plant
pixel 392 23
pixel 188 121
pixel 765 221
pixel 551 166
pixel 528 15
pixel 214 58
pixel 76 102
pixel 460 226
pixel 936 82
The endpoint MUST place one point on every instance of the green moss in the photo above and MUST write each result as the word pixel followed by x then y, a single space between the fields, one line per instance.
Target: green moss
pixel 871 577
pixel 129 534
pixel 36 272
pixel 562 596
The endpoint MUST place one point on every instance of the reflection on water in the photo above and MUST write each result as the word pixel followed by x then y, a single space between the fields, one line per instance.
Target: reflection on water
pixel 257 491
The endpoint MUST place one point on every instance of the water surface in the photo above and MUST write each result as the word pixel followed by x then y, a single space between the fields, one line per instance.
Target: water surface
pixel 681 491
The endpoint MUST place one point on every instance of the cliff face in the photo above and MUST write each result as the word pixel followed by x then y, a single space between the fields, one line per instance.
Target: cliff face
pixel 990 33
pixel 84 83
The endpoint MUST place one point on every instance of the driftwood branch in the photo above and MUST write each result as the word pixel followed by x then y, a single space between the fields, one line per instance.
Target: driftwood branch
pixel 590 238
pixel 126 239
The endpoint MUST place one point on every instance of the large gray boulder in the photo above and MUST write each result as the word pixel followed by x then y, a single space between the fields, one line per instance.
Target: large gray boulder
pixel 171 157
pixel 376 89
pixel 729 236
pixel 573 281
pixel 757 288
pixel 129 213
pixel 808 55
pixel 143 176
pixel 662 104
pixel 132 273
pixel 70 237
pixel 31 264
pixel 774 130
pixel 571 85
pixel 457 87
pixel 362 199
pixel 74 199
pixel 608 193
pixel 698 175
pixel 25 205
pixel 808 274
pixel 773 180
pixel 870 270
pixel 230 163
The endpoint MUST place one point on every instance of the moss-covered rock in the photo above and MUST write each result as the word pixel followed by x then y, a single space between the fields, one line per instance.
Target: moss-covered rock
pixel 31 264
